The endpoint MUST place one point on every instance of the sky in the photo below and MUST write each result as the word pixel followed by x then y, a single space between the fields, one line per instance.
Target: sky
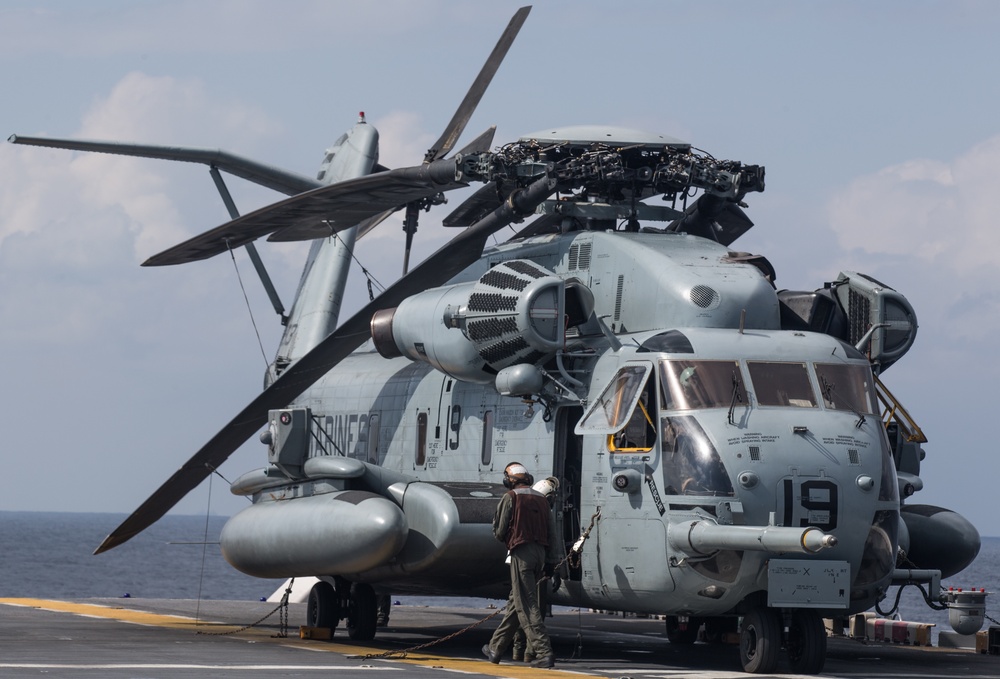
pixel 877 123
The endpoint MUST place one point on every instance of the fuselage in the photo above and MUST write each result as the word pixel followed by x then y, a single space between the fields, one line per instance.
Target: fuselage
pixel 707 412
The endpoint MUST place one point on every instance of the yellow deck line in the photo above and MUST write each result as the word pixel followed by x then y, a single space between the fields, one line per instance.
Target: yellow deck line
pixel 119 613
pixel 477 666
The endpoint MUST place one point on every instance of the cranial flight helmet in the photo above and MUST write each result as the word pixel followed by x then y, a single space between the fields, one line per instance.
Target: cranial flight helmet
pixel 515 473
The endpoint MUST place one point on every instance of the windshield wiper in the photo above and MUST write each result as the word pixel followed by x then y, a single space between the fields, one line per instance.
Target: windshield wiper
pixel 828 393
pixel 737 396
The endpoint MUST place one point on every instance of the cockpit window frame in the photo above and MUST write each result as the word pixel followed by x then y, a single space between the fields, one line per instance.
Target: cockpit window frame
pixel 621 394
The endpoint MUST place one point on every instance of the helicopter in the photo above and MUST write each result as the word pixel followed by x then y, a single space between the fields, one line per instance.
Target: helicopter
pixel 727 448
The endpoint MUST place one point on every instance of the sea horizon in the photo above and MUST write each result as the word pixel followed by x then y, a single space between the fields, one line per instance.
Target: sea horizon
pixel 49 554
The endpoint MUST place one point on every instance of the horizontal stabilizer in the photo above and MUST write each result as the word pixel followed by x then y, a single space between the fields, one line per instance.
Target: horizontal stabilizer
pixel 320 212
pixel 268 176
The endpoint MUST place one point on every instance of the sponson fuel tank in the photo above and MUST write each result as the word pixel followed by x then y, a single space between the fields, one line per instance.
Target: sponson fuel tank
pixel 939 538
pixel 337 532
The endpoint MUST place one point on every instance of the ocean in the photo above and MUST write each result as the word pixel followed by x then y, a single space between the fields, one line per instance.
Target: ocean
pixel 50 555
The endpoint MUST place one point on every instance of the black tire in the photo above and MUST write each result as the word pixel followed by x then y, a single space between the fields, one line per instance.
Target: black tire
pixel 760 641
pixel 323 609
pixel 363 613
pixel 682 633
pixel 806 642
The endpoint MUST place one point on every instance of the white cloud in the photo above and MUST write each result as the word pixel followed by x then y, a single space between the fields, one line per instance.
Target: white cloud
pixel 943 213
pixel 42 186
pixel 74 226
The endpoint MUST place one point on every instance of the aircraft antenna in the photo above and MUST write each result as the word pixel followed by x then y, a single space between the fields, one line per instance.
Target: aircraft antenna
pixel 204 550
pixel 253 322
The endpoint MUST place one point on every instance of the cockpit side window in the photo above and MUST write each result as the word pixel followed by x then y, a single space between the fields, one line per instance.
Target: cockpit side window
pixel 693 385
pixel 639 433
pixel 616 404
pixel 781 384
pixel 691 464
pixel 847 387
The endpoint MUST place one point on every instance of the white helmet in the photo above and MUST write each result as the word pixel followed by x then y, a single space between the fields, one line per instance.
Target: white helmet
pixel 547 486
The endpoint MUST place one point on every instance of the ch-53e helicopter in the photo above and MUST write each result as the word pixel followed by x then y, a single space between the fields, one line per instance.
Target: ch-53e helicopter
pixel 728 447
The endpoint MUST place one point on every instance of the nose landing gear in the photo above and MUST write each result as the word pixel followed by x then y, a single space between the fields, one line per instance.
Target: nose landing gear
pixel 805 642
pixel 763 632
pixel 760 640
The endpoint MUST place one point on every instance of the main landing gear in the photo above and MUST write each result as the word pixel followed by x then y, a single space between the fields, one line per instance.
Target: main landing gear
pixel 763 633
pixel 356 602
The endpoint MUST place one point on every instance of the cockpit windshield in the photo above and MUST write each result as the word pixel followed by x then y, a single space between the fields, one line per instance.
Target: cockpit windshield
pixel 691 464
pixel 781 384
pixel 692 385
pixel 847 387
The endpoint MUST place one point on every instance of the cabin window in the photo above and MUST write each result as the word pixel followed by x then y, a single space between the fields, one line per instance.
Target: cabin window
pixel 694 385
pixel 486 454
pixel 373 439
pixel 781 384
pixel 847 387
pixel 420 455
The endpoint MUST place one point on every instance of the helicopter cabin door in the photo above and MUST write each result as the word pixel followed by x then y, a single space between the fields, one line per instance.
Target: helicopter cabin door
pixel 621 459
pixel 567 461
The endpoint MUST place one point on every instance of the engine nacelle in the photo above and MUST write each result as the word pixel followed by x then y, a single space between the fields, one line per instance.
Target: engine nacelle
pixel 515 313
pixel 857 309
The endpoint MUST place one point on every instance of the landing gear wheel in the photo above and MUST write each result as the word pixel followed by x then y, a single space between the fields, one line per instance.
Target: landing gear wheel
pixel 682 630
pixel 363 613
pixel 760 641
pixel 323 609
pixel 806 642
pixel 716 629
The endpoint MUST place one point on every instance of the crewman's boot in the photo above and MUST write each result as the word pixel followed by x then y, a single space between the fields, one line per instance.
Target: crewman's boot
pixel 545 661
pixel 493 656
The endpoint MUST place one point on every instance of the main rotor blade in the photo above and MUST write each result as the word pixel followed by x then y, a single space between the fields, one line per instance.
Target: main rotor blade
pixel 436 270
pixel 465 110
pixel 480 144
pixel 484 200
pixel 319 212
pixel 544 224
pixel 713 218
pixel 269 176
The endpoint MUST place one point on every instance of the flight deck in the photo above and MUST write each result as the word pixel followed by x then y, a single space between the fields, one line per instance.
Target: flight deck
pixel 174 639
